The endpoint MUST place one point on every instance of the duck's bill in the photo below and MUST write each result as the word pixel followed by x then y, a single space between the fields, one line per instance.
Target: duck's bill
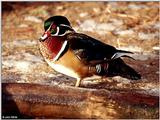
pixel 44 36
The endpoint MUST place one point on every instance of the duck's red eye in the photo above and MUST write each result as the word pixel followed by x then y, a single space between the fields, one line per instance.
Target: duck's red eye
pixel 53 26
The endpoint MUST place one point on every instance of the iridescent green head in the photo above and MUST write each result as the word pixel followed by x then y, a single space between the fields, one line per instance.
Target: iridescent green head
pixel 56 26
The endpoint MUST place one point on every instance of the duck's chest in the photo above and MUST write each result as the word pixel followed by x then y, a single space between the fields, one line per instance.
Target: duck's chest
pixel 53 47
pixel 69 65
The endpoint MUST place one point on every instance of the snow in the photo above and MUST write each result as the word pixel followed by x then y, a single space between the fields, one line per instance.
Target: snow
pixel 136 7
pixel 146 36
pixel 23 62
pixel 151 89
pixel 84 14
pixel 156 48
pixel 21 43
pixel 125 32
pixel 100 28
pixel 157 25
pixel 22 66
pixel 33 19
pixel 131 48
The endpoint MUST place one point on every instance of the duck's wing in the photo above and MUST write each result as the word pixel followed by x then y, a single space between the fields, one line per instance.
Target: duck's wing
pixel 91 51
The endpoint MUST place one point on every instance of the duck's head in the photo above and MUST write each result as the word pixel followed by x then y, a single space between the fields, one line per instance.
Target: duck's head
pixel 56 26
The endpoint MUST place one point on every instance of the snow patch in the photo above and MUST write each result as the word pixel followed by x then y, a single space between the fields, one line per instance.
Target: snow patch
pixel 84 14
pixel 125 32
pixel 88 25
pixel 101 28
pixel 23 66
pixel 121 80
pixel 156 48
pixel 144 36
pixel 131 48
pixel 151 89
pixel 157 25
pixel 32 58
pixel 33 19
pixel 23 26
pixel 20 43
pixel 116 22
pixel 105 27
pixel 143 57
pixel 23 62
pixel 20 65
pixel 136 7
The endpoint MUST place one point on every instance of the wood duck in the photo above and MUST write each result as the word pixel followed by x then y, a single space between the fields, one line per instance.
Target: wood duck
pixel 78 55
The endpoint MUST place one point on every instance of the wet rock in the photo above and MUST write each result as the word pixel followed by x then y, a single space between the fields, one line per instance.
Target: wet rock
pixel 77 102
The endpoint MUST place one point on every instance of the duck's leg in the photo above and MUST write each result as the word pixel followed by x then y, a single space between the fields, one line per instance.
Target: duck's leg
pixel 78 82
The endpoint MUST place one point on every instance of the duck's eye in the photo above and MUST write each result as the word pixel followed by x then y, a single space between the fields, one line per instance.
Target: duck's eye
pixel 53 31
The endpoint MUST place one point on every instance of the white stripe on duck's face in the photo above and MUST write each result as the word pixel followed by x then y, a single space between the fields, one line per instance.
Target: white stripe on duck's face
pixel 62 69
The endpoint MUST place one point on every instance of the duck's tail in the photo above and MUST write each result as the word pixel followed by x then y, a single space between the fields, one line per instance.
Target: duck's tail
pixel 117 67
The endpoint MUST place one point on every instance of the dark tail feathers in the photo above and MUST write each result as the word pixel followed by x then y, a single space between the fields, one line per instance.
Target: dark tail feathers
pixel 117 67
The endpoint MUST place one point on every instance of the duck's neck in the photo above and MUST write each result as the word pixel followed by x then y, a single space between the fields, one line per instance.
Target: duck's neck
pixel 54 45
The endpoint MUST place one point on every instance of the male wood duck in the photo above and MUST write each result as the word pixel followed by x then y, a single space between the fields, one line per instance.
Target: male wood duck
pixel 78 55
